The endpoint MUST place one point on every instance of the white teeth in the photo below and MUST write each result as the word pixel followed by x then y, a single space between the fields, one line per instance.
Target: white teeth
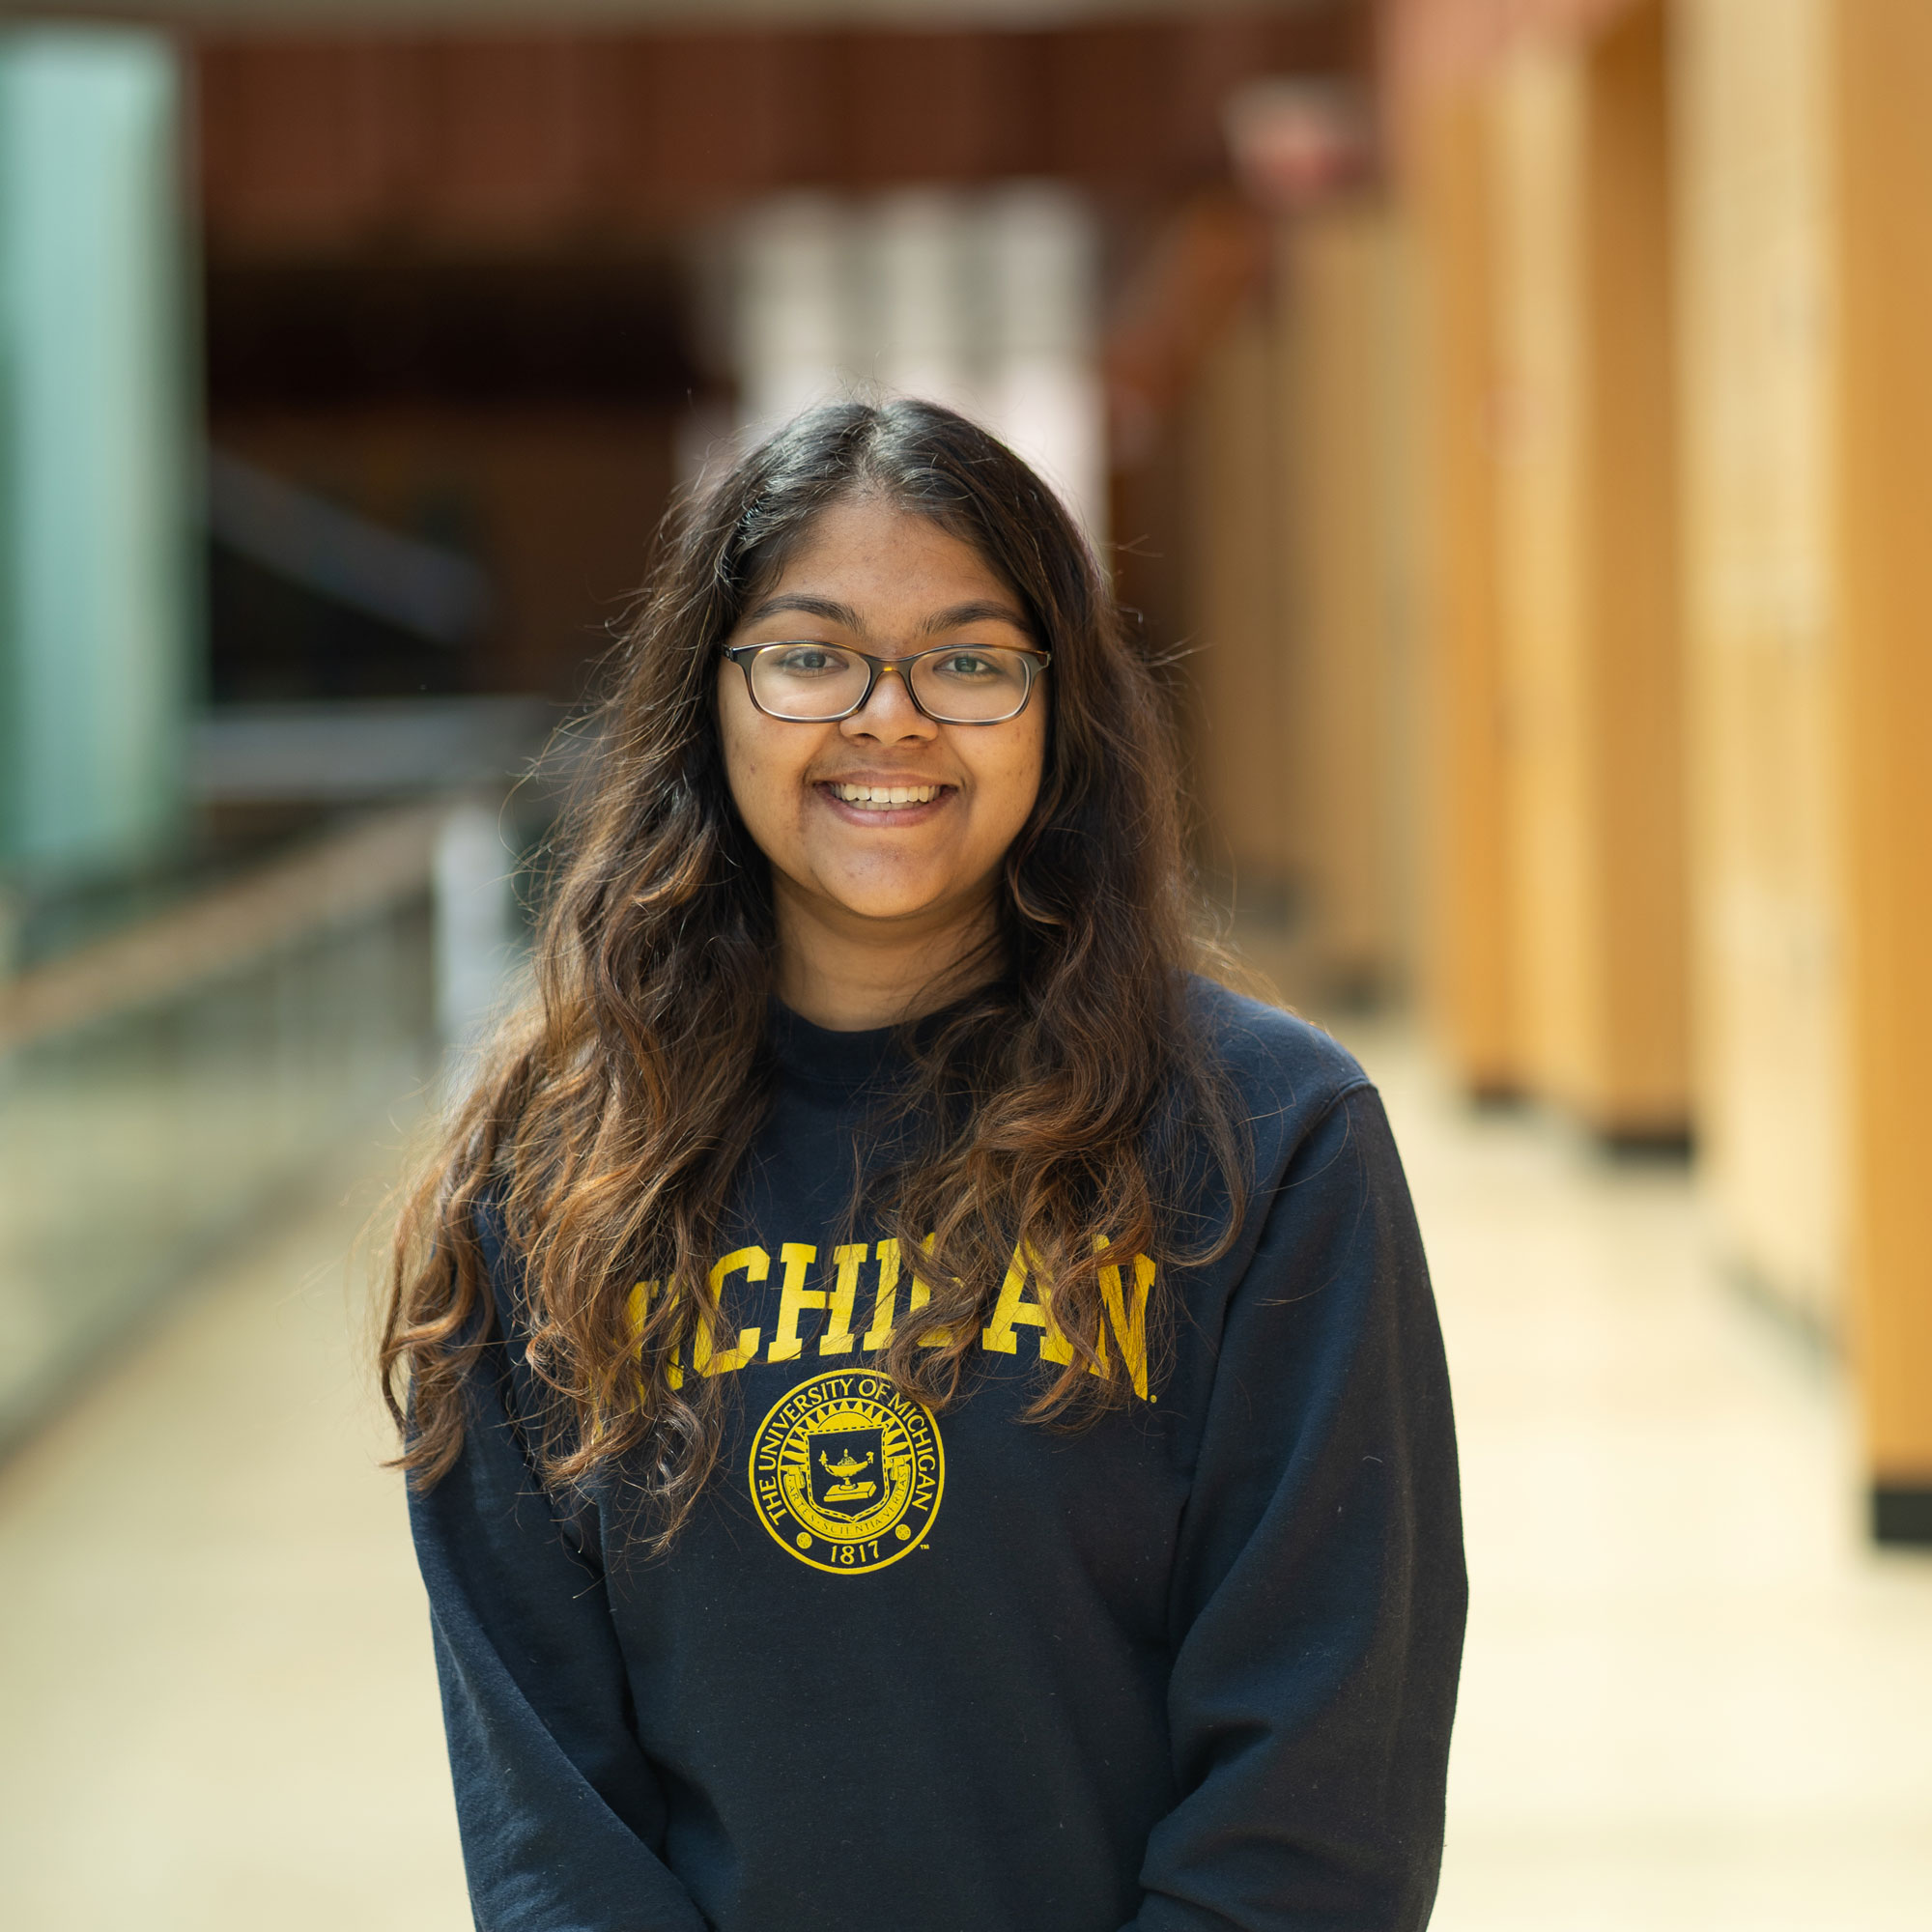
pixel 883 797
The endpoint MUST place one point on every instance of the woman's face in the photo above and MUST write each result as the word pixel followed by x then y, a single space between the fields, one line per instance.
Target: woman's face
pixel 884 581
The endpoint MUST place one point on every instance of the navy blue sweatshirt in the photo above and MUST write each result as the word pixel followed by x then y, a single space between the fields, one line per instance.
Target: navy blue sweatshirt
pixel 1189 1669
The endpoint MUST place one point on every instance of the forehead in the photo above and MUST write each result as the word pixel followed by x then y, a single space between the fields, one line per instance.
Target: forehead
pixel 889 569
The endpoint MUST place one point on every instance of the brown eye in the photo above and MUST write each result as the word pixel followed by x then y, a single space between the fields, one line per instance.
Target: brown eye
pixel 806 661
pixel 805 679
pixel 973 684
pixel 967 667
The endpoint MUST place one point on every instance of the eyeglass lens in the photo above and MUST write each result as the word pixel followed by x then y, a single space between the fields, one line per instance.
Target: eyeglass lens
pixel 978 684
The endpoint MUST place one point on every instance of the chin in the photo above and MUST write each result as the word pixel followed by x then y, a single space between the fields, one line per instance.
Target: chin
pixel 885 906
pixel 894 897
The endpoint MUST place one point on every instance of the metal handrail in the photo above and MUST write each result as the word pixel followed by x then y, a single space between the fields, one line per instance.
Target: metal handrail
pixel 342 877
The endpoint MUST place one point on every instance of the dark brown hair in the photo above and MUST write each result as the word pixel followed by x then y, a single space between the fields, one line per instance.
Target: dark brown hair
pixel 1066 1103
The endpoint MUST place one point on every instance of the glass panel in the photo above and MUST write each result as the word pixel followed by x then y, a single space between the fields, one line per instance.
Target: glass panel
pixel 131 1146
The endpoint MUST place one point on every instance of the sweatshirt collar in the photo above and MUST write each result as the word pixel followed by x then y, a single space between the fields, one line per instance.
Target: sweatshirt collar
pixel 845 1062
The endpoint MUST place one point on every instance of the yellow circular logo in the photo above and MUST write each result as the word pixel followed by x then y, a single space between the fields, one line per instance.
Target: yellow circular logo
pixel 846 1472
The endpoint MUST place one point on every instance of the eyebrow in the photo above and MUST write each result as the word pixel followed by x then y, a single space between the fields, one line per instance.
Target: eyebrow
pixel 986 610
pixel 983 611
pixel 833 612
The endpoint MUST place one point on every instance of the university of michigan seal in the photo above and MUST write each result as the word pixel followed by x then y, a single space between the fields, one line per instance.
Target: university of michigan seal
pixel 846 1472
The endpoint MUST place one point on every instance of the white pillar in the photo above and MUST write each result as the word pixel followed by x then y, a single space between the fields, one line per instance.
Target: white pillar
pixel 793 306
pixel 475 914
pixel 1043 388
pixel 922 306
pixel 985 303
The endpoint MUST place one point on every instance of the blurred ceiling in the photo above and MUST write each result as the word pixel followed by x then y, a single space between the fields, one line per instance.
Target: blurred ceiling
pixel 340 142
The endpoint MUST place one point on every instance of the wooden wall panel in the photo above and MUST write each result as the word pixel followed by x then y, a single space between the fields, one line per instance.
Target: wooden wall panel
pixel 1336 293
pixel 1640 1076
pixel 1763 635
pixel 1588 577
pixel 1232 588
pixel 697 118
pixel 303 147
pixel 1465 965
pixel 1433 47
pixel 507 142
pixel 1882 226
pixel 321 142
pixel 1294 557
pixel 1795 165
pixel 1537 130
pixel 965 103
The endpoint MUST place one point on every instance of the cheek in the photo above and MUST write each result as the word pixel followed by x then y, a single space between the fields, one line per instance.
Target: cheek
pixel 762 767
pixel 1011 779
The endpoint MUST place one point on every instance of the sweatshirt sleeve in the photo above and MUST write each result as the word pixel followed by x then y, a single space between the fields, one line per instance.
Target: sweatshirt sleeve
pixel 1319 1594
pixel 560 1812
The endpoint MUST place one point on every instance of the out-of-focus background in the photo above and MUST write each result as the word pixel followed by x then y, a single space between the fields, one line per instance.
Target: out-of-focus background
pixel 1520 410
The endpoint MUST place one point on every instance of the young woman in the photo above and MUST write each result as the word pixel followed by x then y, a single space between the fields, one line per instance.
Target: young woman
pixel 924 1416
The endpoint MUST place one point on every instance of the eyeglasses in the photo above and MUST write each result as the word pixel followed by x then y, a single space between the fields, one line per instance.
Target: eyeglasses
pixel 812 682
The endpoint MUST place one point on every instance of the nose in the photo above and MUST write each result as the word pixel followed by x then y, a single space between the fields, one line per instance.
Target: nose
pixel 890 714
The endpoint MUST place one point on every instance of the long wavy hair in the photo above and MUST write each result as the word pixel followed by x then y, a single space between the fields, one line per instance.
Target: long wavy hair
pixel 1067 1109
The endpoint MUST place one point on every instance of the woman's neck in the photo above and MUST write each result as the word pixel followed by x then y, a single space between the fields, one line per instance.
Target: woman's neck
pixel 849 975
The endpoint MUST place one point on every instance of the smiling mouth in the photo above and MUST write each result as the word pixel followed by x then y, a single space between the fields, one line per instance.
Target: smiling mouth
pixel 885 797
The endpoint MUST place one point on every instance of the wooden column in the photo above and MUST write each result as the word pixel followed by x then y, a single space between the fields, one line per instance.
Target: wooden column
pixel 1587 577
pixel 1465 966
pixel 1335 284
pixel 1638 1070
pixel 1233 469
pixel 1882 62
pixel 1550 761
pixel 1763 633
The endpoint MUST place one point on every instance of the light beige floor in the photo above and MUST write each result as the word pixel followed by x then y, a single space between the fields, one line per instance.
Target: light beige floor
pixel 217 1698
pixel 1693 1699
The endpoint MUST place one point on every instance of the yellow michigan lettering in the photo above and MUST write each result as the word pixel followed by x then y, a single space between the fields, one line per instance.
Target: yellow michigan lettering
pixel 1125 1310
pixel 1013 1306
pixel 886 1298
pixel 1129 1325
pixel 794 1298
pixel 838 1339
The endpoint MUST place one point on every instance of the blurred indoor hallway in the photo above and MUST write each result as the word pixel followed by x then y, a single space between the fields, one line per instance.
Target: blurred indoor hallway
pixel 1695 1697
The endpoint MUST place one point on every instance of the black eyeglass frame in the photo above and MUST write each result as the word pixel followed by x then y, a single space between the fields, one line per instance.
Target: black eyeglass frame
pixel 742 655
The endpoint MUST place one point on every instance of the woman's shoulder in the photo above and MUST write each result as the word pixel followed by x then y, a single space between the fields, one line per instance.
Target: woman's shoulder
pixel 1285 1073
